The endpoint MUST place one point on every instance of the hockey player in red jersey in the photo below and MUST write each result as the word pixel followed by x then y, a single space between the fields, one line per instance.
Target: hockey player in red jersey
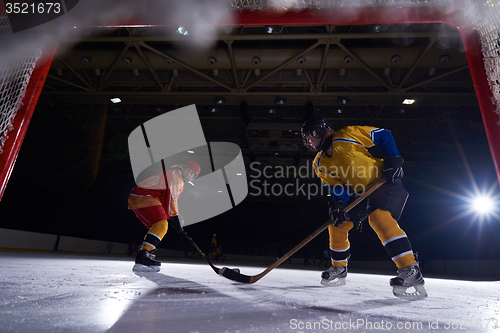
pixel 345 165
pixel 154 202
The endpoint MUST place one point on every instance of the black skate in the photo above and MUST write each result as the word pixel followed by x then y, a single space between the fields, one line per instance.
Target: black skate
pixel 409 277
pixel 334 276
pixel 145 262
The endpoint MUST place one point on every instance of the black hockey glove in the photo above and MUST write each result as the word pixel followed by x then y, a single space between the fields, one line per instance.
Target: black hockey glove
pixel 393 168
pixel 335 212
pixel 175 223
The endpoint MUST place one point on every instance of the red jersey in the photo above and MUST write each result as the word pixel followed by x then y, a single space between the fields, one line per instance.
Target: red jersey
pixel 153 191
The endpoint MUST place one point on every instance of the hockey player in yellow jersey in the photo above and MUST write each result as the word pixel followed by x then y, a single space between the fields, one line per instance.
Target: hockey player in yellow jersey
pixel 347 168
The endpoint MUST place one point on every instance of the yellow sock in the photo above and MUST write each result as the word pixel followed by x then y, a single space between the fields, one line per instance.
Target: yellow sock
pixel 392 237
pixel 340 248
pixel 155 235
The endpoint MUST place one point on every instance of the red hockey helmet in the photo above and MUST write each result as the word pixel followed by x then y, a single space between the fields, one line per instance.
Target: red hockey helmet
pixel 195 166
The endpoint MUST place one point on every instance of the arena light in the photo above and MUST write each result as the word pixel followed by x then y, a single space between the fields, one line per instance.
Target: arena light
pixel 115 100
pixel 408 101
pixel 86 60
pixel 220 100
pixel 342 100
pixel 272 29
pixel 483 205
pixel 280 101
pixel 183 31
pixel 477 205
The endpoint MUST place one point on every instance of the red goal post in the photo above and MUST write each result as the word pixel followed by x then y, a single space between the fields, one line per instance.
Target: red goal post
pixel 477 22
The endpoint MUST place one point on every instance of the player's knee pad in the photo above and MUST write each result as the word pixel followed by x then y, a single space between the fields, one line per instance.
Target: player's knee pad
pixel 384 225
pixel 155 235
pixel 341 231
pixel 159 228
pixel 392 237
pixel 340 249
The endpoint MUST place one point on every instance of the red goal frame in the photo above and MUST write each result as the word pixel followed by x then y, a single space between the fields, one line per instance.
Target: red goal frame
pixel 470 38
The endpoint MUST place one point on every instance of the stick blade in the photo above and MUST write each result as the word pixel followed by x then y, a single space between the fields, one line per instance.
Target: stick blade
pixel 234 274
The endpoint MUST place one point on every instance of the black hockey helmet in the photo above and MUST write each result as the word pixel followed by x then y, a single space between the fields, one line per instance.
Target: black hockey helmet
pixel 316 127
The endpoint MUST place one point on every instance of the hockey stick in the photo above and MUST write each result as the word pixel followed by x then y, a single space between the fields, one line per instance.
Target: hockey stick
pixel 216 270
pixel 236 276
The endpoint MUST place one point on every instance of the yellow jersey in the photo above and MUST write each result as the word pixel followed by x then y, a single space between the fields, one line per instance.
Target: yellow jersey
pixel 351 167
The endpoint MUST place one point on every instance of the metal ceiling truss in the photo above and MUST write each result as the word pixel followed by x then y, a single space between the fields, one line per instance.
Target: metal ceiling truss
pixel 268 83
pixel 238 82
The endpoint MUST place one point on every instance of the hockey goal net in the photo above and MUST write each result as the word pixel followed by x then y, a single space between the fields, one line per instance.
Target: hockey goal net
pixel 15 75
pixel 22 76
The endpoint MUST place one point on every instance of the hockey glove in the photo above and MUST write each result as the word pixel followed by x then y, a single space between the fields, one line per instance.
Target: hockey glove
pixel 175 223
pixel 335 212
pixel 393 168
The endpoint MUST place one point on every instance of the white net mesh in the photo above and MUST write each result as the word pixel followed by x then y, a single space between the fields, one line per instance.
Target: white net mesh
pixel 15 74
pixel 485 16
pixel 332 4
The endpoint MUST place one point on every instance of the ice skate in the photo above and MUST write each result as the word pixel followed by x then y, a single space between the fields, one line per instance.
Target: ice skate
pixel 145 262
pixel 334 276
pixel 409 277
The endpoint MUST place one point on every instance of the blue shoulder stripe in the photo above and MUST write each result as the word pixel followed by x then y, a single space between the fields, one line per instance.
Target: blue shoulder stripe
pixel 383 138
pixel 318 164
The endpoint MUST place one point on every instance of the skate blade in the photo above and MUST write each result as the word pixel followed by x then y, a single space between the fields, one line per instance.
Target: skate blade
pixel 404 292
pixel 142 268
pixel 333 283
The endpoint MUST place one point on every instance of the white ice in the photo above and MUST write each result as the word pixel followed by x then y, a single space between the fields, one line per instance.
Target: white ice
pixel 54 292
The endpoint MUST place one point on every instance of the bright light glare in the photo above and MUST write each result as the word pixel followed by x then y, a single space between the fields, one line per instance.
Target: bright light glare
pixel 483 205
pixel 408 101
pixel 115 100
pixel 182 31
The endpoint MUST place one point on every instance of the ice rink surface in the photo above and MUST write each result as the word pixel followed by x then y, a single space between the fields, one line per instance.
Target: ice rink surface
pixel 57 292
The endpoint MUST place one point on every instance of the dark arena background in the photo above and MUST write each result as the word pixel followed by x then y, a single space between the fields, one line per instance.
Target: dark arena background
pixel 425 70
